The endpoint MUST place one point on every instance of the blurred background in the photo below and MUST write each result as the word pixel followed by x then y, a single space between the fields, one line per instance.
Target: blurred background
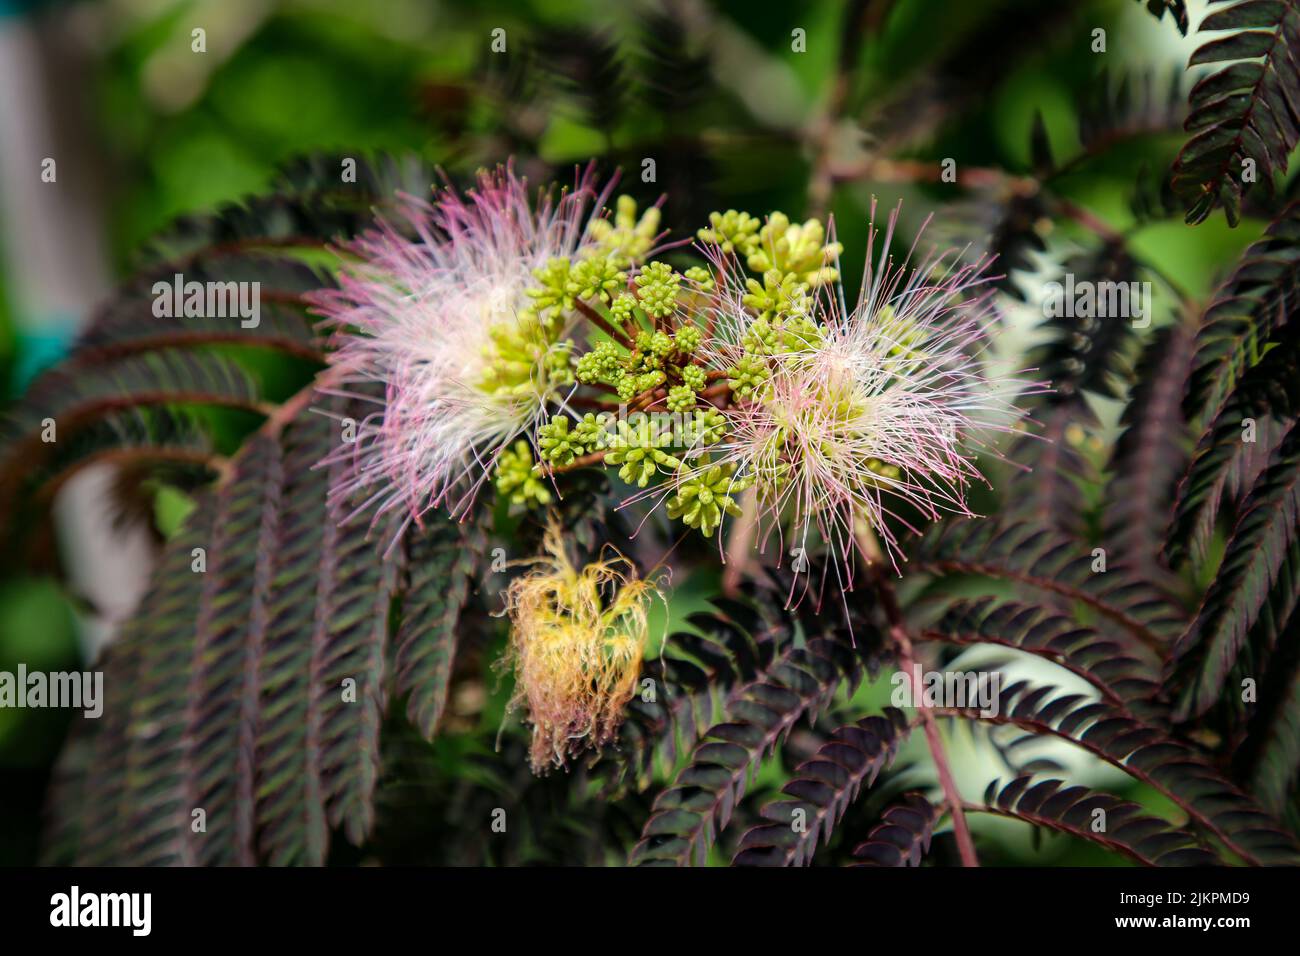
pixel 757 104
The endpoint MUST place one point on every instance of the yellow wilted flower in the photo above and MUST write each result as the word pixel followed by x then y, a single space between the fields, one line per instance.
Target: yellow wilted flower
pixel 576 644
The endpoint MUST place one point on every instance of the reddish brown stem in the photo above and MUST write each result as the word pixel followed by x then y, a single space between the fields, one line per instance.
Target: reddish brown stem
pixel 919 171
pixel 598 320
pixel 646 399
pixel 582 401
pixel 877 571
pixel 739 544
pixel 582 461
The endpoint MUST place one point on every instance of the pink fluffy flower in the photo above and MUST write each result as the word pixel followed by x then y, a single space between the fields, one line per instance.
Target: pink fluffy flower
pixel 436 314
pixel 850 412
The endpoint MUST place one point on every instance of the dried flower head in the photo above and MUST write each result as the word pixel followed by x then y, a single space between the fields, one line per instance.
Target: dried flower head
pixel 448 318
pixel 576 641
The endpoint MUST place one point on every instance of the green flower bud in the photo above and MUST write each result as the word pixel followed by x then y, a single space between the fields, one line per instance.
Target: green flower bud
pixel 688 339
pixel 795 250
pixel 557 444
pixel 694 377
pixel 626 388
pixel 661 344
pixel 779 295
pixel 627 238
pixel 700 277
pixel 639 449
pixel 621 308
pixel 704 498
pixel 590 432
pixel 681 398
pixel 733 231
pixel 748 376
pixel 657 287
pixel 596 278
pixel 517 478
pixel 553 294
pixel 604 363
pixel 708 427
pixel 651 379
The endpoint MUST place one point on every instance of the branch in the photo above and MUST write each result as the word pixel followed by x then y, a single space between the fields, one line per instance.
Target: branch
pixel 876 565
pixel 822 132
pixel 582 461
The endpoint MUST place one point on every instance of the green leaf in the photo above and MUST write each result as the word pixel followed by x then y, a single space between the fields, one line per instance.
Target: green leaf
pixel 1246 116
pixel 1209 650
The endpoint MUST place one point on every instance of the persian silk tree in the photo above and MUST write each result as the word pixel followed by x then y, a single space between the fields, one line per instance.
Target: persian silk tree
pixel 531 419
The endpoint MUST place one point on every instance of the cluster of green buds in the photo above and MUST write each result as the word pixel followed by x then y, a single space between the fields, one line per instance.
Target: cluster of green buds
pixel 562 282
pixel 657 358
pixel 778 245
pixel 657 444
pixel 791 260
pixel 517 352
pixel 626 237
pixel 646 350
pixel 519 480
pixel 641 449
pixel 775 336
pixel 561 440
pixel 794 249
pixel 643 444
pixel 704 496
pixel 734 232
pixel 600 273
